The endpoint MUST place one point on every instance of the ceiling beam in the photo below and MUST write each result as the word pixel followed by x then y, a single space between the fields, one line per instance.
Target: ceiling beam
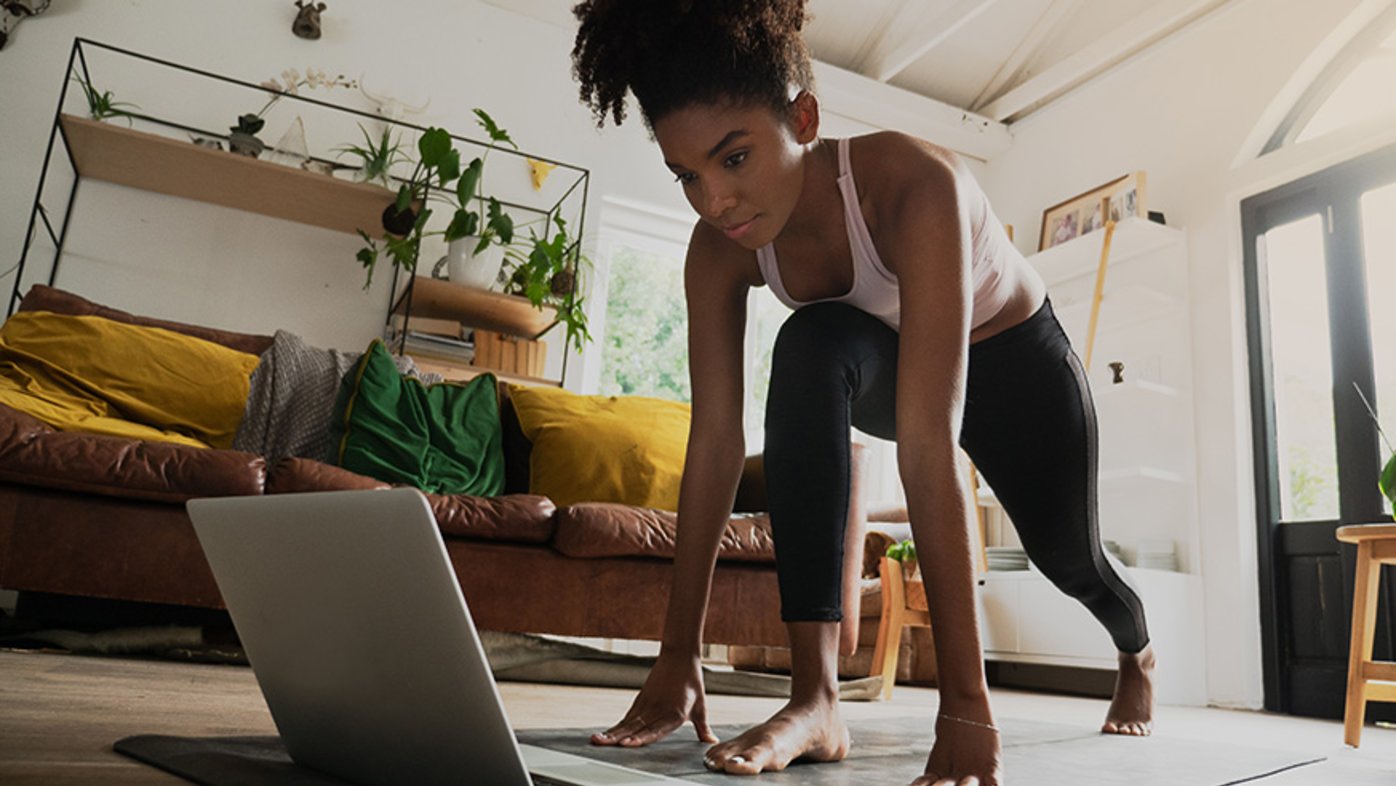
pixel 1106 52
pixel 1028 48
pixel 881 105
pixel 929 34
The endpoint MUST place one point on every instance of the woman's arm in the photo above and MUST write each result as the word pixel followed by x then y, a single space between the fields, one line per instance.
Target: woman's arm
pixel 716 286
pixel 927 236
pixel 716 280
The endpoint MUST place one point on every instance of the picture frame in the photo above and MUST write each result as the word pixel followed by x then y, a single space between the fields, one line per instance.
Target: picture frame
pixel 1089 211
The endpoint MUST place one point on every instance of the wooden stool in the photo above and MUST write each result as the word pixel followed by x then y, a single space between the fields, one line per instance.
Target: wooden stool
pixel 903 604
pixel 1367 679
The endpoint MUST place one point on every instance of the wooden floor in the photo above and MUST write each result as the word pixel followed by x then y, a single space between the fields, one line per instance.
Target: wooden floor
pixel 60 714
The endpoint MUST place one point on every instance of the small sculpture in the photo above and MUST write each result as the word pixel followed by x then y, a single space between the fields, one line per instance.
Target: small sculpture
pixel 1118 369
pixel 12 12
pixel 307 24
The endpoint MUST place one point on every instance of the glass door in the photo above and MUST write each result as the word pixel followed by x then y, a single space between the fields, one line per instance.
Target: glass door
pixel 1320 261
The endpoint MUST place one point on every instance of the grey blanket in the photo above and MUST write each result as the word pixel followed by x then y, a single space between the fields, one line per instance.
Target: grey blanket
pixel 292 395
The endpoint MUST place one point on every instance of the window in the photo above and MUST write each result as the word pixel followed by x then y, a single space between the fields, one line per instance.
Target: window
pixel 640 321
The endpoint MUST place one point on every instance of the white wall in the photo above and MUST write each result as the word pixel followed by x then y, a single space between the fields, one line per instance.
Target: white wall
pixel 1183 113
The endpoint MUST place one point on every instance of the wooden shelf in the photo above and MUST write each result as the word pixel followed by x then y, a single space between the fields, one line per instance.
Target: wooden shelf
pixel 480 308
pixel 167 165
pixel 459 371
pixel 1133 237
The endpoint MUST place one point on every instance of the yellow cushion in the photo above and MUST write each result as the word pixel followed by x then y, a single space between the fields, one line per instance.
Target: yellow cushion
pixel 626 449
pixel 86 373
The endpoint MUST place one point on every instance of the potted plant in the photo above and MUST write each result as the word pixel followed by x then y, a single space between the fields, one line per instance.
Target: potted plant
pixel 549 275
pixel 102 104
pixel 905 553
pixel 376 159
pixel 477 222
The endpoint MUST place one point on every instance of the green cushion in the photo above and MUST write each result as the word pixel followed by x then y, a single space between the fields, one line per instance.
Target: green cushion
pixel 443 438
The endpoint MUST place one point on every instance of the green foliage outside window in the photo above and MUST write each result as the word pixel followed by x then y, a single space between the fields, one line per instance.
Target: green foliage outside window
pixel 645 352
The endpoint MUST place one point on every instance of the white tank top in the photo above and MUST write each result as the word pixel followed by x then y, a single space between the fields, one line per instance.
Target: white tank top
pixel 875 289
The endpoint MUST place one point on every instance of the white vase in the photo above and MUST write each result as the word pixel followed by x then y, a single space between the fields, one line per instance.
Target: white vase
pixel 465 267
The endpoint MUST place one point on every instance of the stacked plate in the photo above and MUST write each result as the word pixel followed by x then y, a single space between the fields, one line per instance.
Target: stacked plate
pixel 1157 555
pixel 1006 558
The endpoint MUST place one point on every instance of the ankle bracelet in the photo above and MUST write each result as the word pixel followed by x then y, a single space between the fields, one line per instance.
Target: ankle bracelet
pixel 969 722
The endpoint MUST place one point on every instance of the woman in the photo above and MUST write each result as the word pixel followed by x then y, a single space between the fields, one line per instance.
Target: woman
pixel 916 320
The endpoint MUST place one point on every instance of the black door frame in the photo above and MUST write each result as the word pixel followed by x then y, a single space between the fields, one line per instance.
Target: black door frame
pixel 1334 195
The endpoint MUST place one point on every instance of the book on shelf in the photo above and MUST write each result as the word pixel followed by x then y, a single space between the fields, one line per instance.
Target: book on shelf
pixel 428 325
pixel 439 347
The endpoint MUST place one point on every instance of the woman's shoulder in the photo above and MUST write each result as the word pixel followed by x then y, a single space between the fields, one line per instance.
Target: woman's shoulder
pixel 894 170
pixel 897 155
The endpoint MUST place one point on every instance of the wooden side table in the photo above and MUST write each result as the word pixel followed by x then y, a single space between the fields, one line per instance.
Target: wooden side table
pixel 903 604
pixel 1368 680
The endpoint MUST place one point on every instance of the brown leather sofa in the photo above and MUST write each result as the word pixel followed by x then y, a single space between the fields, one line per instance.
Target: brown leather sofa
pixel 103 517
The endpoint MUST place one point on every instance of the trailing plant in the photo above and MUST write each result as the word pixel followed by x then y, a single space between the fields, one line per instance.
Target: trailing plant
pixel 438 177
pixel 376 158
pixel 549 275
pixel 102 104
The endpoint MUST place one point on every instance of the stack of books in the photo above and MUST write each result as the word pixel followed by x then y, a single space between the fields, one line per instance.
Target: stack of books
pixel 440 339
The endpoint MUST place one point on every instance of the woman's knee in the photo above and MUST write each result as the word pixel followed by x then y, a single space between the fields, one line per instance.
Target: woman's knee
pixel 824 340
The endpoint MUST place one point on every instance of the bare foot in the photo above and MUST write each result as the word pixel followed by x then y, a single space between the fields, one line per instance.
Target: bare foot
pixel 1132 710
pixel 809 730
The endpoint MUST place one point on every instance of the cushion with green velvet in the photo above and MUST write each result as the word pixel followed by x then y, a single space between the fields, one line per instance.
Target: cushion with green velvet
pixel 442 438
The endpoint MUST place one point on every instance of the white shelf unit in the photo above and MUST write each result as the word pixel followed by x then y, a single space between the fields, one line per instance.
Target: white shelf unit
pixel 1147 463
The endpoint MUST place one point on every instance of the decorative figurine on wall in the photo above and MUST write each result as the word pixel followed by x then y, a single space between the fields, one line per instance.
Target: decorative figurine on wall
pixel 307 24
pixel 1118 369
pixel 12 12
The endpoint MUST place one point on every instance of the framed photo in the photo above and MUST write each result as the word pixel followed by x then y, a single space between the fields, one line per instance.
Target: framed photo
pixel 1089 211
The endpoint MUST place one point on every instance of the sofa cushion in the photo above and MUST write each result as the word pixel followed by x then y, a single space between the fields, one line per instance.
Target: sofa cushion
pixel 441 438
pixel 87 373
pixel 34 454
pixel 624 449
pixel 519 518
pixel 604 529
pixel 42 298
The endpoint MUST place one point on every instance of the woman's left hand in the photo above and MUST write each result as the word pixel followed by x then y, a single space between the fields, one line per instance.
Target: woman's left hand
pixel 963 755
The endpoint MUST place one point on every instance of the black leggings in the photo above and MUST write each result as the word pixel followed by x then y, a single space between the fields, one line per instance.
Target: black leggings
pixel 1029 425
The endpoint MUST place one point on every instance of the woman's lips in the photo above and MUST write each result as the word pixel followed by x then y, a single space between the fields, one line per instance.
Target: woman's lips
pixel 736 231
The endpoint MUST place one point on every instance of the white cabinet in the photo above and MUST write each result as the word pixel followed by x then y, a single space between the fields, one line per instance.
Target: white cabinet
pixel 1147 475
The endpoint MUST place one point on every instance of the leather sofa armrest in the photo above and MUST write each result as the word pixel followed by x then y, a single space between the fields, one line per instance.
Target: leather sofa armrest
pixel 33 454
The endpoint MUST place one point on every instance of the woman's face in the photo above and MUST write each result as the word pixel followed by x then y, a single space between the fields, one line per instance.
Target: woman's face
pixel 741 168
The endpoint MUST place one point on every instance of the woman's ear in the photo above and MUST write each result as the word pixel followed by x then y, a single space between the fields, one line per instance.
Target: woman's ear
pixel 804 116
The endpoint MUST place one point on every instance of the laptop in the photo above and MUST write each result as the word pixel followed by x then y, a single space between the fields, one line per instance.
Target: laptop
pixel 363 646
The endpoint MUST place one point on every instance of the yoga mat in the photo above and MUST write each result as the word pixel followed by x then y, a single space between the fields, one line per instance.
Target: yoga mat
pixel 887 751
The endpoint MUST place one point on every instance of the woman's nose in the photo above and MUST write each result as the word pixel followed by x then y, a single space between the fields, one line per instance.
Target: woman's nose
pixel 717 201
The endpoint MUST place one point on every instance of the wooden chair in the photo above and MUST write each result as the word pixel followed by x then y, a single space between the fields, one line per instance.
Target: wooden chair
pixel 903 604
pixel 1368 680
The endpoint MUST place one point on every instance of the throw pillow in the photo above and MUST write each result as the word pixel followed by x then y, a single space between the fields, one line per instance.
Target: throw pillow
pixel 442 438
pixel 88 373
pixel 626 449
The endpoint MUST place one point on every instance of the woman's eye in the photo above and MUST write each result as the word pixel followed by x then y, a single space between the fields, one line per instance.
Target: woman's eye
pixel 684 177
pixel 736 159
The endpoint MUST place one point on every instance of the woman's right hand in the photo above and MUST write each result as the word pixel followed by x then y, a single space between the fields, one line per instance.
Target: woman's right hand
pixel 672 695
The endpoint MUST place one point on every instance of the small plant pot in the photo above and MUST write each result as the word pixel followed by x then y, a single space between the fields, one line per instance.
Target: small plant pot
pixel 467 268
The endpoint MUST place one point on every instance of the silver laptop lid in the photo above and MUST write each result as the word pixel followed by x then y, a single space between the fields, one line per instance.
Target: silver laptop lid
pixel 359 636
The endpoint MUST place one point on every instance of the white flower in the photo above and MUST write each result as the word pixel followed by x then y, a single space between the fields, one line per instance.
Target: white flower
pixel 272 84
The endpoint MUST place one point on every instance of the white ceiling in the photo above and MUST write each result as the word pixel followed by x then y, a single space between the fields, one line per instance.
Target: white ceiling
pixel 1000 60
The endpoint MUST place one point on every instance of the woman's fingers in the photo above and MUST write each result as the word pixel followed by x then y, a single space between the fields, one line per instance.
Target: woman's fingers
pixel 699 716
pixel 618 732
pixel 651 732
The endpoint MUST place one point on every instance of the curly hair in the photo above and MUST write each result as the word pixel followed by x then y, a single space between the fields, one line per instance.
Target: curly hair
pixel 675 53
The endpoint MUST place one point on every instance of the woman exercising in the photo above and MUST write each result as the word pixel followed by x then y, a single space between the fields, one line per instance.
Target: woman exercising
pixel 915 320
